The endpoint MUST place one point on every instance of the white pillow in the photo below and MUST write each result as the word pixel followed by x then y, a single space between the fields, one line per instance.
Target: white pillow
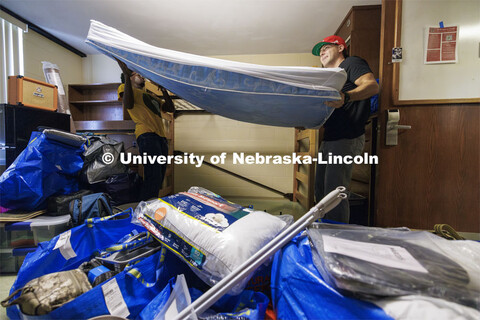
pixel 208 237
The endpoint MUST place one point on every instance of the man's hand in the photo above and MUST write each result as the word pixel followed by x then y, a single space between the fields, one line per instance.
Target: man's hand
pixel 164 91
pixel 337 103
pixel 127 72
pixel 127 98
pixel 168 106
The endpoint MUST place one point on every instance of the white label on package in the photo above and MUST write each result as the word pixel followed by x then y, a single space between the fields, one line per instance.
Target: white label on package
pixel 386 255
pixel 63 243
pixel 114 299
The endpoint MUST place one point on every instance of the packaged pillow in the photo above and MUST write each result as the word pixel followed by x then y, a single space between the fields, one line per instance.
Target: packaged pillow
pixel 211 234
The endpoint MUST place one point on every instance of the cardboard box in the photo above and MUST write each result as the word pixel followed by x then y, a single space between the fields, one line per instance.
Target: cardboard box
pixel 32 93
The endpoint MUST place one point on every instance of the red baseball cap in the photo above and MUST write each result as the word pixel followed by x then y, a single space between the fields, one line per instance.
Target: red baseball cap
pixel 328 40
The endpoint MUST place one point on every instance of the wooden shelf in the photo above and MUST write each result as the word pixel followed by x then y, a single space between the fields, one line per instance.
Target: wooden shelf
pixel 361 31
pixel 101 125
pixel 96 102
pixel 95 86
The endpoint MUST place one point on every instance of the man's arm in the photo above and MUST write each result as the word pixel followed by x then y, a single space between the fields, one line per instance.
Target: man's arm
pixel 127 98
pixel 366 87
pixel 168 106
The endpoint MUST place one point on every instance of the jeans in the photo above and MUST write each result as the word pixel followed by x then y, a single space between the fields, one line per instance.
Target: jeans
pixel 330 176
pixel 153 174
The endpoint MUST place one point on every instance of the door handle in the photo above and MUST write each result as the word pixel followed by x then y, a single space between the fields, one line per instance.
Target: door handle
pixel 391 134
pixel 398 126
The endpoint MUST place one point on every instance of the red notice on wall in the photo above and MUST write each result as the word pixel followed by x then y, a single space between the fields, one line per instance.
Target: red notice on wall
pixel 441 45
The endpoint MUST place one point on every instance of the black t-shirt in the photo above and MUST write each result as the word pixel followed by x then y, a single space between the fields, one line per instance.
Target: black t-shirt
pixel 348 122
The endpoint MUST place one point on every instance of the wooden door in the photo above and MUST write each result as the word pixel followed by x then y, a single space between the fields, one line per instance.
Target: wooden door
pixel 433 175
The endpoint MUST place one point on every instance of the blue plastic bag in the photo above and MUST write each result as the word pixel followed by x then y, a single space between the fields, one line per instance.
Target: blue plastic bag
pixel 133 289
pixel 247 305
pixel 46 167
pixel 299 291
pixel 151 311
pixel 73 247
pixel 93 236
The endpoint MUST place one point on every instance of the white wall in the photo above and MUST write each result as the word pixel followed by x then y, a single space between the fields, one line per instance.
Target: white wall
pixel 440 81
pixel 37 49
pixel 98 68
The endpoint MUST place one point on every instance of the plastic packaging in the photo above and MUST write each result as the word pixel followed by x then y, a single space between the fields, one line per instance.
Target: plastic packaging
pixel 375 262
pixel 179 299
pixel 213 239
pixel 52 76
pixel 175 297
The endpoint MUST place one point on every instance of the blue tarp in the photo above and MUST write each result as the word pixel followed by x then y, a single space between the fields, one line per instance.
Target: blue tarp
pixel 299 291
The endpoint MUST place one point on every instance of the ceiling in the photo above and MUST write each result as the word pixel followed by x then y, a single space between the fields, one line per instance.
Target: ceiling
pixel 203 27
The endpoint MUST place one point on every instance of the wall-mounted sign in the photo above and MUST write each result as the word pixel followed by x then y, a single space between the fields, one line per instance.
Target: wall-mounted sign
pixel 441 45
pixel 397 54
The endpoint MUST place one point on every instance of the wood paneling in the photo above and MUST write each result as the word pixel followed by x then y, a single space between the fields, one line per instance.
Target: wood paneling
pixel 432 176
pixel 361 29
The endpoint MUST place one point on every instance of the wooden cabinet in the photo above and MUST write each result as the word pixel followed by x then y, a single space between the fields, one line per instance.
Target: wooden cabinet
pixel 361 31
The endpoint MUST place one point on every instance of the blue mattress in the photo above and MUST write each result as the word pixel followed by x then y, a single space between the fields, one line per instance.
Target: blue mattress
pixel 276 96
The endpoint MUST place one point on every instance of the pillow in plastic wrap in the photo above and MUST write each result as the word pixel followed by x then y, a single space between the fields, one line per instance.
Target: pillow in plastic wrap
pixel 375 262
pixel 213 235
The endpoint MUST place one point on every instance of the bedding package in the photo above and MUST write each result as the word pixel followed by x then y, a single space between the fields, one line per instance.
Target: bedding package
pixel 211 234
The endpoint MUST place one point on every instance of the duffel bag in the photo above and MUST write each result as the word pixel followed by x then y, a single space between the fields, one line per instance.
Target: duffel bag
pixel 59 205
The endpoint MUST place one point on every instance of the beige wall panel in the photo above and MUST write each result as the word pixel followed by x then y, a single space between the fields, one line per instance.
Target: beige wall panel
pixel 38 48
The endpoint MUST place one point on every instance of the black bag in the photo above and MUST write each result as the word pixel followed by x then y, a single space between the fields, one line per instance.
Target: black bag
pixel 95 169
pixel 124 187
pixel 59 205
